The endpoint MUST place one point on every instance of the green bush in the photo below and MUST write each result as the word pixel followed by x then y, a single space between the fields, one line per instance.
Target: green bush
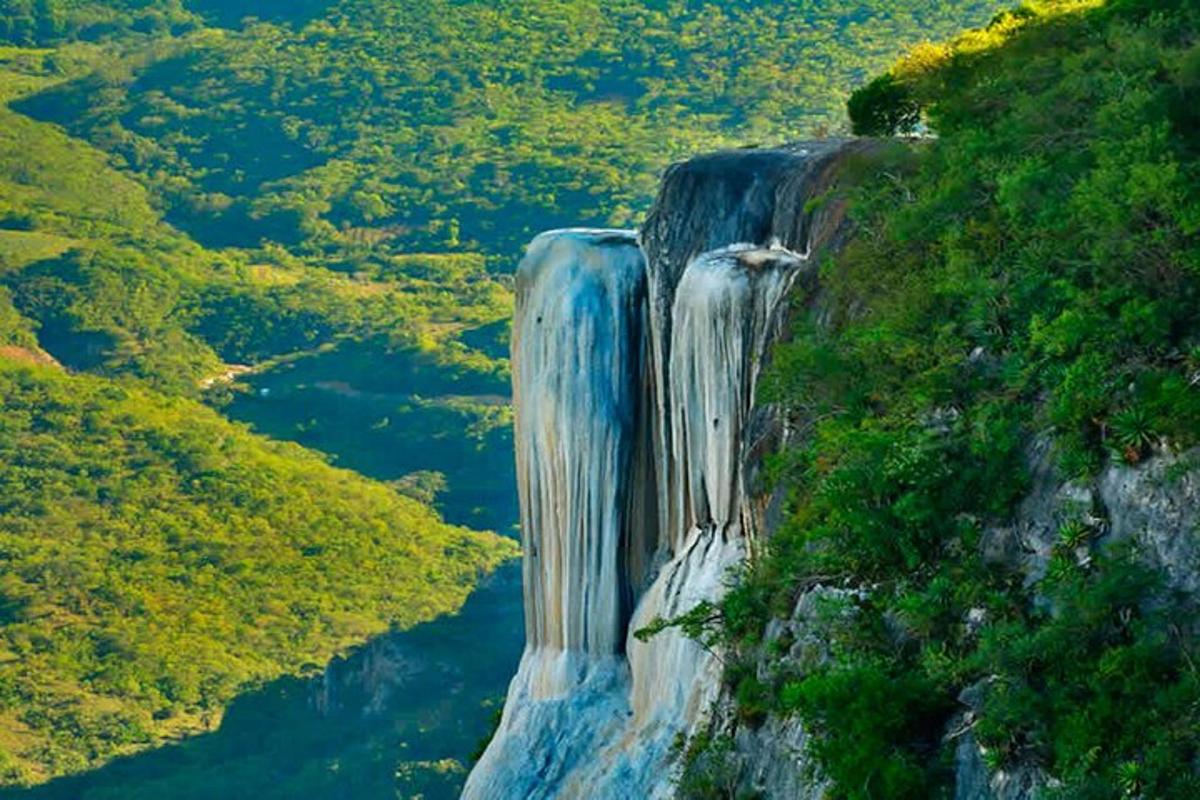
pixel 884 107
pixel 875 729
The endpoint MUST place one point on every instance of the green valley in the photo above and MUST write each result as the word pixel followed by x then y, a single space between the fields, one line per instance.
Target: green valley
pixel 158 559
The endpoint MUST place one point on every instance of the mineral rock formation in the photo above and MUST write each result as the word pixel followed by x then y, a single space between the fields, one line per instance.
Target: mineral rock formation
pixel 637 442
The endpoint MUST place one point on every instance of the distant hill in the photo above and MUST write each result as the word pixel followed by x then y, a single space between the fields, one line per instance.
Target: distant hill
pixel 447 124
pixel 155 559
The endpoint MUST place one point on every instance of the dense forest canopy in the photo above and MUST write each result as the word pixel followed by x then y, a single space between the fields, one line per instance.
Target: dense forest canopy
pixel 438 124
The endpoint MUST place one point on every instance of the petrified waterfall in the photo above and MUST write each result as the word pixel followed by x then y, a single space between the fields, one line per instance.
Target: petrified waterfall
pixel 635 361
pixel 579 344
pixel 723 312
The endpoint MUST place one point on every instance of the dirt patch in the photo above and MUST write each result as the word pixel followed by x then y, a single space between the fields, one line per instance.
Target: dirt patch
pixel 25 355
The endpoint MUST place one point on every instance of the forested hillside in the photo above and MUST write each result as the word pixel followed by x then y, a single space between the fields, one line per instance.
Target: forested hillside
pixel 1027 279
pixel 158 559
pixel 188 194
pixel 378 127
pixel 85 256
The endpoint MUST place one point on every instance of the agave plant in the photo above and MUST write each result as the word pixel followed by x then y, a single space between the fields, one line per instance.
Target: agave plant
pixel 1129 777
pixel 1062 567
pixel 1192 364
pixel 1074 534
pixel 1132 433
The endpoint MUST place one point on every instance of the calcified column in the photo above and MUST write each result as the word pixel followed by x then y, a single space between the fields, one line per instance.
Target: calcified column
pixel 715 201
pixel 724 315
pixel 587 505
pixel 579 343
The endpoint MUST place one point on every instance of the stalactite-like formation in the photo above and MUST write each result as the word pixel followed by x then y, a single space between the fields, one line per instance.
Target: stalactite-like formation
pixel 587 506
pixel 579 355
pixel 723 313
pixel 705 204
pixel 634 383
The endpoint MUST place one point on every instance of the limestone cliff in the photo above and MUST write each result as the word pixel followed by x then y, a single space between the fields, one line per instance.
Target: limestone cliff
pixel 640 446
pixel 638 439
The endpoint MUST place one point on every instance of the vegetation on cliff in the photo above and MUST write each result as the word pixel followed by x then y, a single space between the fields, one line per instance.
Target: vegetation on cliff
pixel 1034 270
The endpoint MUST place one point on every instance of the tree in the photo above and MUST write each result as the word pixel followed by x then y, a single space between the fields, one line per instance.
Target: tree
pixel 884 107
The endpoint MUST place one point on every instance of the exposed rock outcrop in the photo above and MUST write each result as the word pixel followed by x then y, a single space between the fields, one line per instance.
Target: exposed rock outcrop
pixel 1154 504
pixel 638 441
pixel 639 446
pixel 973 780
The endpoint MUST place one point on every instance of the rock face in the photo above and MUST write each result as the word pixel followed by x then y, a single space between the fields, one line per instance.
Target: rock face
pixel 639 444
pixel 638 441
pixel 974 781
pixel 1155 505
